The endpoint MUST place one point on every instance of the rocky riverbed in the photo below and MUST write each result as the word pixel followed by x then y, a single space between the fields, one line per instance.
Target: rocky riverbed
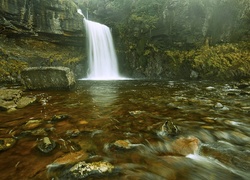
pixel 127 130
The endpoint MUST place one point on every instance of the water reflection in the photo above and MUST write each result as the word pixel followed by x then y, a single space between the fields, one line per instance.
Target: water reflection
pixel 103 94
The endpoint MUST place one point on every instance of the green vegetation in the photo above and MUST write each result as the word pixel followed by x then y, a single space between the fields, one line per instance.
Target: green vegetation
pixel 226 61
pixel 10 70
pixel 16 54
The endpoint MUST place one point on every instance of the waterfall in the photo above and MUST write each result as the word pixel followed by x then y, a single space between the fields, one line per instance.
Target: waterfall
pixel 101 52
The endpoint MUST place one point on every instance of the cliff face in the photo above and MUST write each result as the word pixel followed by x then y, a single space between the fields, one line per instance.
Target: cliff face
pixel 40 33
pixel 54 20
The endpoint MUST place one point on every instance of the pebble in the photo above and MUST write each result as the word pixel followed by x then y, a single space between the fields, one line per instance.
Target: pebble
pixel 6 143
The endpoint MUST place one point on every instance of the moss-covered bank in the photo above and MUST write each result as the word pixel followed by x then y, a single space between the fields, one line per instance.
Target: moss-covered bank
pixel 19 53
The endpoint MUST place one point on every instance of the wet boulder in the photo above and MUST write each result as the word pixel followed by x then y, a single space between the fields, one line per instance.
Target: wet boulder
pixel 83 170
pixel 34 78
pixel 169 128
pixel 185 145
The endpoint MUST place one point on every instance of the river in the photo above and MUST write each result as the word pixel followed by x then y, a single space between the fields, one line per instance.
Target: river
pixel 213 141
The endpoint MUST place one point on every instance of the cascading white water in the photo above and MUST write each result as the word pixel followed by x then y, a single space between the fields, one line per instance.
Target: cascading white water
pixel 102 57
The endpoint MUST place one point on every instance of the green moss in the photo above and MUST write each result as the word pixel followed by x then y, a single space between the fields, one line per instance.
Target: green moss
pixel 11 69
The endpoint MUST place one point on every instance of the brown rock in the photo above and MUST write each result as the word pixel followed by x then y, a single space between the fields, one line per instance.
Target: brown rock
pixel 122 144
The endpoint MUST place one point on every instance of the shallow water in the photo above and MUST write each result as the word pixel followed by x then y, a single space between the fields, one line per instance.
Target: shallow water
pixel 215 116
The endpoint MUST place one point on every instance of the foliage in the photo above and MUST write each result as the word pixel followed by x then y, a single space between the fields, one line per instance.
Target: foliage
pixel 178 57
pixel 11 69
pixel 224 61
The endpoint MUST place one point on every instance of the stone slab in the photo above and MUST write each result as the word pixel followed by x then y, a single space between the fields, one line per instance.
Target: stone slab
pixel 35 78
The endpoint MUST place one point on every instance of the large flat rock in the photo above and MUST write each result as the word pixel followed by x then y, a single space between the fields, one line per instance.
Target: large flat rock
pixel 35 78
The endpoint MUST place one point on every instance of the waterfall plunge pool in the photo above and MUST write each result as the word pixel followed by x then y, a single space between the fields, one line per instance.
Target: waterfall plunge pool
pixel 213 142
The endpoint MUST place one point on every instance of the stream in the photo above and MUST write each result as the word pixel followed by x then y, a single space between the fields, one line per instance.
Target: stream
pixel 121 122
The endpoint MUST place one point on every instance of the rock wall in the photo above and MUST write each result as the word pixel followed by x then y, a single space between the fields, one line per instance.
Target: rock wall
pixel 36 33
pixel 54 20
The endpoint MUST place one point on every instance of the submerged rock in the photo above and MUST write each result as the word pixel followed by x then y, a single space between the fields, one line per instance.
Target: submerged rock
pixel 83 170
pixel 70 158
pixel 6 143
pixel 73 132
pixel 47 78
pixel 46 145
pixel 32 124
pixel 59 117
